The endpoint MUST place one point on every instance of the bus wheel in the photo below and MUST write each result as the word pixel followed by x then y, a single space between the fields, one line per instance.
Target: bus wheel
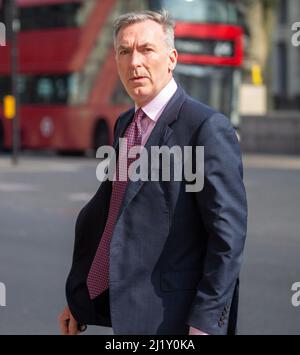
pixel 101 135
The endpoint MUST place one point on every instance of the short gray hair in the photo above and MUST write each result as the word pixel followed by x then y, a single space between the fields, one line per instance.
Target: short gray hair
pixel 162 18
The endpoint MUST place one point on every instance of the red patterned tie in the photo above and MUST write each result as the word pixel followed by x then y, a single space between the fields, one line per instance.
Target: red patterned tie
pixel 98 277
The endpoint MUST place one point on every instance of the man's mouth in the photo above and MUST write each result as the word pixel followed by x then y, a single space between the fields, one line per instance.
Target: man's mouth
pixel 136 78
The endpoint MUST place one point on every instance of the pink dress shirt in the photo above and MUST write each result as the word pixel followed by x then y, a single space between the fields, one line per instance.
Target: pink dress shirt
pixel 154 109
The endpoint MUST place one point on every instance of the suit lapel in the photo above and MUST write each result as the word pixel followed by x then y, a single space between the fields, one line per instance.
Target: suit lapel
pixel 158 137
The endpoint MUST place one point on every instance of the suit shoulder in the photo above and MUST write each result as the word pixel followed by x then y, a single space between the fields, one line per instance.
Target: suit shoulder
pixel 198 108
pixel 195 113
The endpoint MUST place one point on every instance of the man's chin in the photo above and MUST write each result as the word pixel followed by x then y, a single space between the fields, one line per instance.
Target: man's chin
pixel 140 94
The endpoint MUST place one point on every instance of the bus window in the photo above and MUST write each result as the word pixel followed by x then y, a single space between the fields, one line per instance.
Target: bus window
pixel 44 90
pixel 210 85
pixel 41 89
pixel 51 16
pixel 2 15
pixel 204 11
pixel 120 96
pixel 49 89
pixel 5 87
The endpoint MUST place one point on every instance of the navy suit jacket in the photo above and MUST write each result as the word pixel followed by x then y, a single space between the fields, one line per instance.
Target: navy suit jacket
pixel 175 256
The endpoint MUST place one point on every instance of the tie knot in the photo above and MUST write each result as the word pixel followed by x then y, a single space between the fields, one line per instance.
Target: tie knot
pixel 139 115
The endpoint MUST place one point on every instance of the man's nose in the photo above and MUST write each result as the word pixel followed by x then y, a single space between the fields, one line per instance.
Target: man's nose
pixel 136 59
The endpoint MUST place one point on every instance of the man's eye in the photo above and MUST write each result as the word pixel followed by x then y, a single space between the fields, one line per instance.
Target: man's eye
pixel 147 49
pixel 124 51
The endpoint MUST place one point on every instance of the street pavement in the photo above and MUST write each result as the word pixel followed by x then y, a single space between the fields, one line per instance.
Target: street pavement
pixel 39 202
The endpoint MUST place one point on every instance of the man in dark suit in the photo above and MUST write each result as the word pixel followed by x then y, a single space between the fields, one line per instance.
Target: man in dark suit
pixel 151 257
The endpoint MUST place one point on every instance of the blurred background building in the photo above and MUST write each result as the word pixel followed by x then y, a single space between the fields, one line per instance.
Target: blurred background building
pixel 270 101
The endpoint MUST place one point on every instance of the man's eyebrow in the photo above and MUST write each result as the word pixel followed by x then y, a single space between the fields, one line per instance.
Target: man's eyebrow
pixel 147 44
pixel 123 46
pixel 143 45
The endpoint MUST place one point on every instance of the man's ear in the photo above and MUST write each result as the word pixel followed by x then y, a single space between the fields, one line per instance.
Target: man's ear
pixel 173 56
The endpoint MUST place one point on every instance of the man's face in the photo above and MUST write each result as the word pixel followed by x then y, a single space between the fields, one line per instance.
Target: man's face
pixel 144 61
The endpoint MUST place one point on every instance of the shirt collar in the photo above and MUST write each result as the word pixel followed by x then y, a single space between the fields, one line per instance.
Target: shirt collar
pixel 155 107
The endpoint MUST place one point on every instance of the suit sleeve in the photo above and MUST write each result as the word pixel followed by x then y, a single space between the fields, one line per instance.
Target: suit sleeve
pixel 223 208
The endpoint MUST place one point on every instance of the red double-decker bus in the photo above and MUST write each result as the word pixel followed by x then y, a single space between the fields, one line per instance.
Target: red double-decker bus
pixel 209 39
pixel 69 91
